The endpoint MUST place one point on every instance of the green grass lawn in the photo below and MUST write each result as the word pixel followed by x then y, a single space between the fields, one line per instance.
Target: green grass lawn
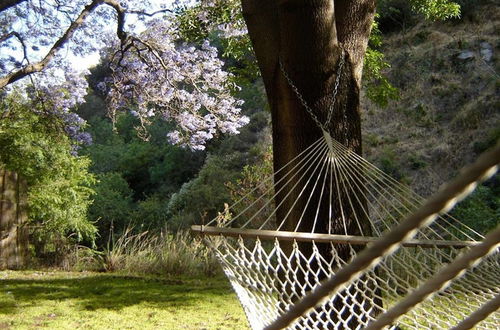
pixel 66 300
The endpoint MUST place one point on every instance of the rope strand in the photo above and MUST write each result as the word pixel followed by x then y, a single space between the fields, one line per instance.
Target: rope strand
pixel 485 166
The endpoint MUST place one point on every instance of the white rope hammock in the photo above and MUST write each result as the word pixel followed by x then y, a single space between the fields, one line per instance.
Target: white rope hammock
pixel 324 207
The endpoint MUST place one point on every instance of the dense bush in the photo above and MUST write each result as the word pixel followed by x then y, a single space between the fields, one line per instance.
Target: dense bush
pixel 481 210
pixel 201 198
pixel 395 15
pixel 112 205
pixel 467 7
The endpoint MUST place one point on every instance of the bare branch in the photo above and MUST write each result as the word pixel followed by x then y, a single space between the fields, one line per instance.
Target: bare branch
pixel 120 11
pixel 6 4
pixel 153 51
pixel 143 13
pixel 21 41
pixel 6 36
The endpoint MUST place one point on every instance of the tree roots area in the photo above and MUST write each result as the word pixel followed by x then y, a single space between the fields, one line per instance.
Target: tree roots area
pixel 70 300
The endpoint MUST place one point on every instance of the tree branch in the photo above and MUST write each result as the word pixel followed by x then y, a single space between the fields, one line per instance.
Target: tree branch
pixel 139 12
pixel 39 66
pixel 31 68
pixel 6 4
pixel 120 12
pixel 21 41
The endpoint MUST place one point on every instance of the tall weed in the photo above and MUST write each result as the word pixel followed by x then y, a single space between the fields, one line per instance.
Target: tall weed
pixel 164 254
pixel 146 253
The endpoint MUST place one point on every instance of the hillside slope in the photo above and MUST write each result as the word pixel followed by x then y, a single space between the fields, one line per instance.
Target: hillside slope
pixel 448 112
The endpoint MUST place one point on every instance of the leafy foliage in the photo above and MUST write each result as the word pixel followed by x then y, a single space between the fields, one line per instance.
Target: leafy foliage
pixel 135 177
pixel 224 20
pixel 222 23
pixel 395 15
pixel 203 197
pixel 167 186
pixel 36 146
pixel 112 205
pixel 400 14
pixel 253 184
pixel 153 72
pixel 199 199
pixel 436 9
pixel 378 87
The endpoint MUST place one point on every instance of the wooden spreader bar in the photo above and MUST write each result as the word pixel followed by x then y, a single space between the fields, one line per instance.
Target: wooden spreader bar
pixel 319 238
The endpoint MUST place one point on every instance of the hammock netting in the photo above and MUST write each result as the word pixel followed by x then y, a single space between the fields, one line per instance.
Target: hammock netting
pixel 313 216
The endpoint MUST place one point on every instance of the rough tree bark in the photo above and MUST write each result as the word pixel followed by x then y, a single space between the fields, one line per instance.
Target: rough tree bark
pixel 308 37
pixel 13 218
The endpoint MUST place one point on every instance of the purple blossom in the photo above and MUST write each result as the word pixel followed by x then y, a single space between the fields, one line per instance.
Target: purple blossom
pixel 229 30
pixel 59 94
pixel 184 84
pixel 174 137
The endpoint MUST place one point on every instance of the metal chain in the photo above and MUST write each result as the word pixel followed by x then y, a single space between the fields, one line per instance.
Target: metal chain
pixel 346 140
pixel 336 88
pixel 300 97
pixel 303 101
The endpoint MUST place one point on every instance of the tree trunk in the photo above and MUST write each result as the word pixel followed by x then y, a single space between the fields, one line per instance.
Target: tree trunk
pixel 308 37
pixel 13 219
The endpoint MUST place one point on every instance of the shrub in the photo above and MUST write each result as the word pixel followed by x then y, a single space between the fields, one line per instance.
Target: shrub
pixel 112 205
pixel 489 141
pixel 206 194
pixel 481 210
pixel 389 163
pixel 247 191
pixel 416 162
pixel 150 214
pixel 467 7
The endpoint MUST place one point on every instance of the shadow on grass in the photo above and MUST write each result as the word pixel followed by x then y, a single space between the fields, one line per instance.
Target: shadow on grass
pixel 110 292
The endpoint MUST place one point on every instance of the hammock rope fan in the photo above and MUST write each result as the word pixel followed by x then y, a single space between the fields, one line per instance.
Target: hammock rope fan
pixel 271 265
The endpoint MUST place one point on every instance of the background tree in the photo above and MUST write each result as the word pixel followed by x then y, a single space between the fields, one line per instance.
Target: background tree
pixel 35 144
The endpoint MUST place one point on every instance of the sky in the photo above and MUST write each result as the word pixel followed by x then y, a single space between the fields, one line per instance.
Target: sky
pixel 84 62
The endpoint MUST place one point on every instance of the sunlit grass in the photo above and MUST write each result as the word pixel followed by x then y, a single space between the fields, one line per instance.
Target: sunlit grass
pixel 64 300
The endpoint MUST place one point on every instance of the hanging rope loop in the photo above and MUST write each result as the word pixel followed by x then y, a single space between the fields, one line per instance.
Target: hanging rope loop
pixel 293 86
